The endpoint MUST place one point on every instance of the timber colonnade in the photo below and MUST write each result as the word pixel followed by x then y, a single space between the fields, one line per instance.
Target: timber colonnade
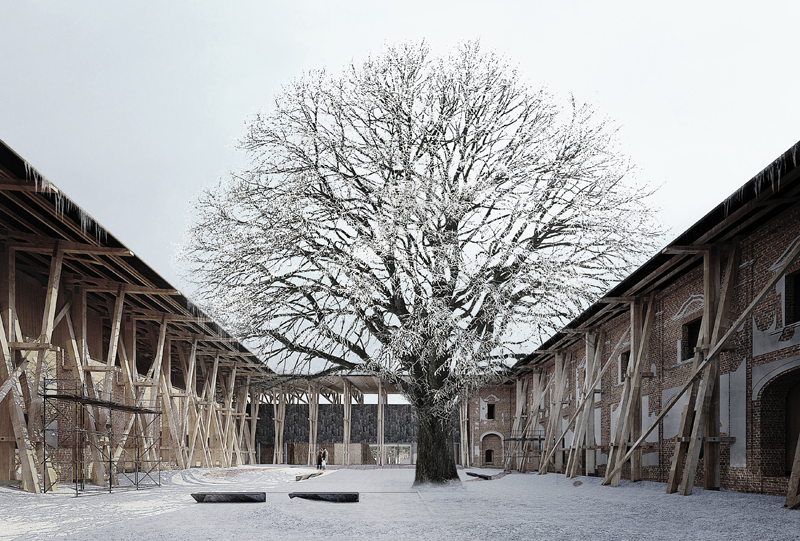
pixel 687 372
pixel 106 367
pixel 109 374
pixel 345 390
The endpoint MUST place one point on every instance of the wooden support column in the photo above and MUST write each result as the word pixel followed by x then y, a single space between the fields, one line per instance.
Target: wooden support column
pixel 710 379
pixel 26 451
pixel 716 307
pixel 589 395
pixel 583 441
pixel 381 426
pixel 685 427
pixel 8 469
pixel 35 428
pixel 587 400
pixel 538 390
pixel 279 405
pixel 554 420
pixel 241 413
pixel 711 480
pixel 155 373
pixel 636 398
pixel 175 437
pixel 347 400
pixel 210 399
pixel 313 412
pixel 113 344
pixel 515 449
pixel 228 433
pixel 463 419
pixel 255 404
pixel 632 389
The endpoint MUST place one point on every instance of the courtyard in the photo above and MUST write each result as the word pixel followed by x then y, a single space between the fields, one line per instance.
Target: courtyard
pixel 513 506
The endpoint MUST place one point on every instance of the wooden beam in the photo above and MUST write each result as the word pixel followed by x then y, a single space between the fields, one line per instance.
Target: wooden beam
pixel 132 290
pixel 154 315
pixel 693 249
pixel 617 299
pixel 191 337
pixel 72 248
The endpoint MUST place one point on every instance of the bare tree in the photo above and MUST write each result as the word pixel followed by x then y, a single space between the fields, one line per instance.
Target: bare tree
pixel 418 218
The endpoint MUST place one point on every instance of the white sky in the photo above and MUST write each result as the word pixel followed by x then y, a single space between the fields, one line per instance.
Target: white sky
pixel 131 108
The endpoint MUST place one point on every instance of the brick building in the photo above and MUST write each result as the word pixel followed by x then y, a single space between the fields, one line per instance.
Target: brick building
pixel 713 318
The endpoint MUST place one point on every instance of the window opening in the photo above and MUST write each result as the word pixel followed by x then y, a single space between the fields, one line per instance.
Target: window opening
pixel 690 333
pixel 791 298
pixel 624 359
pixel 490 411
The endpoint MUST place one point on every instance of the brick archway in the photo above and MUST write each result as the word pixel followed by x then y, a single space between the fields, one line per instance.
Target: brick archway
pixel 491 449
pixel 779 415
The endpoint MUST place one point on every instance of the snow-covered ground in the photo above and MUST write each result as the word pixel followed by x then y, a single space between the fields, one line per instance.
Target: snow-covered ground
pixel 516 506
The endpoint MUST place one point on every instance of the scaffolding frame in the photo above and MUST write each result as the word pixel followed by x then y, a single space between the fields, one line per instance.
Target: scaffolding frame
pixel 523 448
pixel 129 460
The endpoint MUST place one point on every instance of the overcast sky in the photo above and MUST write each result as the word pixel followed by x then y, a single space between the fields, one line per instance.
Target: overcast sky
pixel 130 108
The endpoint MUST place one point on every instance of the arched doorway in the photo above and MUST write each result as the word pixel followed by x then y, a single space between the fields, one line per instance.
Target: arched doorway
pixel 491 450
pixel 780 423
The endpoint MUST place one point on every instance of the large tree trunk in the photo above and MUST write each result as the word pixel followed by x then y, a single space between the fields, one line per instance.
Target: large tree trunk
pixel 435 460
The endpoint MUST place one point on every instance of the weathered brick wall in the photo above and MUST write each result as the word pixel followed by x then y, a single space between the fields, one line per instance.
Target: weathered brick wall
pixel 504 399
pixel 678 304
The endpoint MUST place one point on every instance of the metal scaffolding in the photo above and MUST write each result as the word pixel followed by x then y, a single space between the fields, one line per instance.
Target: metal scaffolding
pixel 85 447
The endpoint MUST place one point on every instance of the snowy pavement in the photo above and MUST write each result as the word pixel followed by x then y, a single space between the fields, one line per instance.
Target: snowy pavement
pixel 516 506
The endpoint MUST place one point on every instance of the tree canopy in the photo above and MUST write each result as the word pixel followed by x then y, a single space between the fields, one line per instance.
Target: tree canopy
pixel 417 217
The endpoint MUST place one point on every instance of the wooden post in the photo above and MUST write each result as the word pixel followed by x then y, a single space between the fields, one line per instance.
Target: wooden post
pixel 710 375
pixel 515 449
pixel 584 427
pixel 8 469
pixel 381 402
pixel 538 391
pixel 116 325
pixel 554 422
pixel 241 412
pixel 29 479
pixel 279 405
pixel 174 436
pixel 586 399
pixel 255 403
pixel 347 400
pixel 463 419
pixel 313 410
pixel 630 391
pixel 636 399
pixel 35 428
pixel 706 419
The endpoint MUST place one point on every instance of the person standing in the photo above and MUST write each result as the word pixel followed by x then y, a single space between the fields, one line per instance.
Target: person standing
pixel 319 459
pixel 324 458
